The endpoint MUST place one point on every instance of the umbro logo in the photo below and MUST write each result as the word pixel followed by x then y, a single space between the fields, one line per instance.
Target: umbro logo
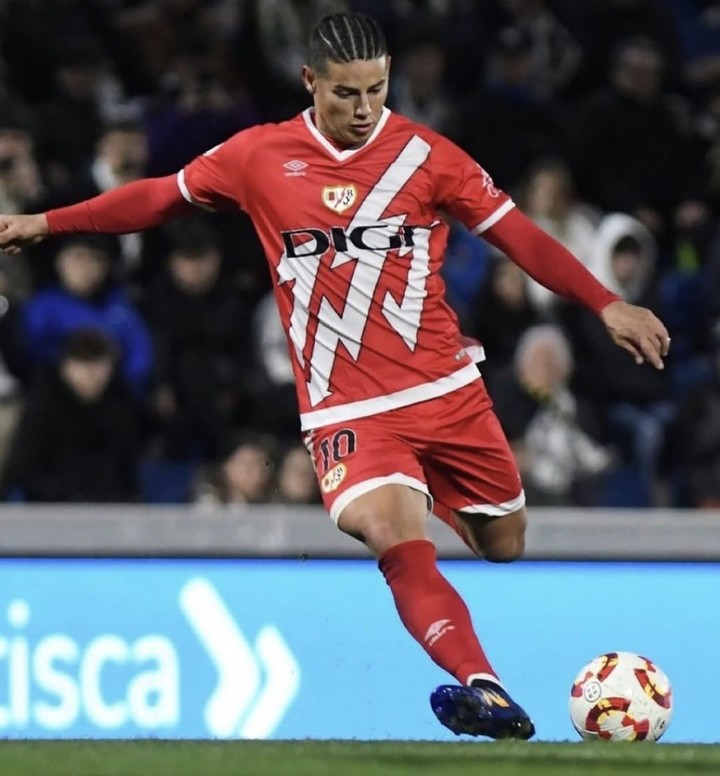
pixel 437 630
pixel 295 168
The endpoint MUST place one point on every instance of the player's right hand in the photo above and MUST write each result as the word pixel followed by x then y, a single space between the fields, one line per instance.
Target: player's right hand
pixel 17 232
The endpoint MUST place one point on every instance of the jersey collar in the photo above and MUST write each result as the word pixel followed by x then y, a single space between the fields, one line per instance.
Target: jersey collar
pixel 341 156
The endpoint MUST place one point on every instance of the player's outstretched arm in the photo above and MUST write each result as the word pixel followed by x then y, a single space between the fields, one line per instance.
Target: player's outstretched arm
pixel 132 207
pixel 547 261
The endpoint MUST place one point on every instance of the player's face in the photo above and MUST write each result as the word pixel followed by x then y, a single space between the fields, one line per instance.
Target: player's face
pixel 349 98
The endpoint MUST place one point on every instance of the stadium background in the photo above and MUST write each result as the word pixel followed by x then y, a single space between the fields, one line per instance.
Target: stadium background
pixel 601 122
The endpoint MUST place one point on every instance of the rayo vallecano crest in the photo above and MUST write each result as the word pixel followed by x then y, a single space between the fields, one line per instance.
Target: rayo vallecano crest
pixel 339 198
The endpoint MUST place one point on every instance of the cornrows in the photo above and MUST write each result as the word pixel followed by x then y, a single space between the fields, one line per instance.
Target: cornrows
pixel 344 37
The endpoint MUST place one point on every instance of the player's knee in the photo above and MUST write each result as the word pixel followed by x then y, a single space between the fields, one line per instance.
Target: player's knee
pixel 378 532
pixel 506 550
pixel 382 520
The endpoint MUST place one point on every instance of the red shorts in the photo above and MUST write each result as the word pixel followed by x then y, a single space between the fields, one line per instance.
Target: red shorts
pixel 452 448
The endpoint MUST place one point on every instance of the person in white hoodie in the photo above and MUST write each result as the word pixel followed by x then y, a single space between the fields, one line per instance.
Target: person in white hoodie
pixel 633 401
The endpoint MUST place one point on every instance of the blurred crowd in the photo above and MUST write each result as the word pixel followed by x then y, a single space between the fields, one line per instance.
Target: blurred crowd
pixel 153 367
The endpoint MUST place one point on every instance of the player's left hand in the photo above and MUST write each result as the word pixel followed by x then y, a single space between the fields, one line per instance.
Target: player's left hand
pixel 637 330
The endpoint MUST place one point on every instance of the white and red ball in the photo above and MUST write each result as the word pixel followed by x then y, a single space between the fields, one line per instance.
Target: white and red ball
pixel 621 696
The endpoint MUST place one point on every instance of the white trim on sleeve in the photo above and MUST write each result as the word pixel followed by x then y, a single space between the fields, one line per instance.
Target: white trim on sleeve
pixel 493 218
pixel 185 191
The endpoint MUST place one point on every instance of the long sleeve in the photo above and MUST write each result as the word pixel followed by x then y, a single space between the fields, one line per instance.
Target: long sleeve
pixel 547 261
pixel 129 208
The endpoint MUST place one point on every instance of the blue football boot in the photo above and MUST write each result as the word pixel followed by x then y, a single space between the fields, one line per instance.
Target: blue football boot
pixel 482 709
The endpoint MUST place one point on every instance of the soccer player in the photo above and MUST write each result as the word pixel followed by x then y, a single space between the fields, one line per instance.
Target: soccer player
pixel 347 200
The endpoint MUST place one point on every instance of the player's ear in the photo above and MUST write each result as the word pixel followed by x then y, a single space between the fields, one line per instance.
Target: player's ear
pixel 308 78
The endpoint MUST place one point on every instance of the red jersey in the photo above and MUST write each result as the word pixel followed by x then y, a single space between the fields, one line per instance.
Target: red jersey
pixel 355 241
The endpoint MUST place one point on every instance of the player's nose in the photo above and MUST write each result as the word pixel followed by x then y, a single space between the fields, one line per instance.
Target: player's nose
pixel 363 109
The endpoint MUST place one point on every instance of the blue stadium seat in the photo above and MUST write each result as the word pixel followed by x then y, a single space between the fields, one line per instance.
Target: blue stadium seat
pixel 166 482
pixel 623 488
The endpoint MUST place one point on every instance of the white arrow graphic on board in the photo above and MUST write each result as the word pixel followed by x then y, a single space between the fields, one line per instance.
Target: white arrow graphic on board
pixel 238 695
pixel 281 685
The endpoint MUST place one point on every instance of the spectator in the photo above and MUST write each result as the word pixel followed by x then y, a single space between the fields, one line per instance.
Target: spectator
pixel 77 438
pixel 200 108
pixel 635 154
pixel 71 122
pixel 602 23
pixel 86 296
pixel 21 190
pixel 709 132
pixel 503 311
pixel 244 477
pixel 419 89
pixel 550 201
pixel 34 32
pixel 120 156
pixel 699 30
pixel 552 432
pixel 632 399
pixel 277 410
pixel 21 184
pixel 467 261
pixel 504 125
pixel 698 432
pixel 201 329
pixel 12 361
pixel 157 29
pixel 296 482
pixel 272 40
pixel 556 55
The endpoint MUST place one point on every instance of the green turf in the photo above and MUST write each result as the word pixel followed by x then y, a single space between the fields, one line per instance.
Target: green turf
pixel 351 758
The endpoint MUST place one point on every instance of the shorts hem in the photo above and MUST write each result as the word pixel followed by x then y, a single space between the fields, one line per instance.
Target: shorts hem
pixel 366 486
pixel 496 510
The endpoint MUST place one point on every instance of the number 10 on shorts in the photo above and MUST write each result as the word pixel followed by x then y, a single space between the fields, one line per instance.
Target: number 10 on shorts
pixel 335 448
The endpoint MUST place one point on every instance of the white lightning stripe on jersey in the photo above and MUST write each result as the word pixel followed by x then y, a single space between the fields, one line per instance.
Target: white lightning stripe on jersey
pixel 304 273
pixel 405 317
pixel 347 328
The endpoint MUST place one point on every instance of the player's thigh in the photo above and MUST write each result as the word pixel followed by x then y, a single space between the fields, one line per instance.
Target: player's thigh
pixel 473 472
pixel 372 482
pixel 386 516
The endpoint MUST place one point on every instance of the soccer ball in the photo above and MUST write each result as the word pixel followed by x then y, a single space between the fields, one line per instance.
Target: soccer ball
pixel 621 696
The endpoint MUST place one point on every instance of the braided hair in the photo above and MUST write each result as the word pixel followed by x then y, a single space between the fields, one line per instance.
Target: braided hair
pixel 345 37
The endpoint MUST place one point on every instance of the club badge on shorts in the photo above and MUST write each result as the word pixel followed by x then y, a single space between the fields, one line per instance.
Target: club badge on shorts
pixel 332 480
pixel 339 198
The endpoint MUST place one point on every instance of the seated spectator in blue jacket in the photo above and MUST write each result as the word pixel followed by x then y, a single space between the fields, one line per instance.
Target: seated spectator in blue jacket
pixel 86 296
pixel 77 438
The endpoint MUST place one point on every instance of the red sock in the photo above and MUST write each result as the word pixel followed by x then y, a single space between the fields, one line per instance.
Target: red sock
pixel 432 610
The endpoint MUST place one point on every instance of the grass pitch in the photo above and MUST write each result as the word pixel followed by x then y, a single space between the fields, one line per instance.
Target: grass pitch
pixel 351 758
